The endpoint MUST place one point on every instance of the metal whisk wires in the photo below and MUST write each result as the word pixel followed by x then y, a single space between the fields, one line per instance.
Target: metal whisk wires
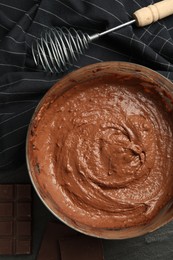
pixel 58 48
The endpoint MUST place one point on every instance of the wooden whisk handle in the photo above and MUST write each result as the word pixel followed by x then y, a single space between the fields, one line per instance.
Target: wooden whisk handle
pixel 153 13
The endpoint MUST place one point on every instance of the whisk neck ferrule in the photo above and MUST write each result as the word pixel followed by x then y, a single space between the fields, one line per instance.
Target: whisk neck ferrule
pixel 93 37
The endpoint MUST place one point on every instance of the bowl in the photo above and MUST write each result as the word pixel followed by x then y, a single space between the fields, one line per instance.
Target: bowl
pixel 131 220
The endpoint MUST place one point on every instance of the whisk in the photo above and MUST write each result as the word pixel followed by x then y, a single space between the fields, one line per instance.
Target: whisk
pixel 59 48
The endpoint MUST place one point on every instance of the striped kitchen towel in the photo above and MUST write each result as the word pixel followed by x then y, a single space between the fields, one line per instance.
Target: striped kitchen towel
pixel 22 84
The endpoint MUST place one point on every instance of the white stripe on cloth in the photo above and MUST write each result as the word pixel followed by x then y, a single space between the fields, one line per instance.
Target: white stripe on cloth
pixel 13 7
pixel 5 113
pixel 60 18
pixel 18 93
pixel 4 27
pixel 46 11
pixel 22 113
pixel 27 79
pixel 84 16
pixel 11 65
pixel 11 147
pixel 19 101
pixel 7 36
pixel 13 52
pixel 5 164
pixel 119 2
pixel 104 10
pixel 166 41
pixel 11 132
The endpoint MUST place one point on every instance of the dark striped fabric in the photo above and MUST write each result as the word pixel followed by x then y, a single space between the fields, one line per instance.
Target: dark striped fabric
pixel 22 84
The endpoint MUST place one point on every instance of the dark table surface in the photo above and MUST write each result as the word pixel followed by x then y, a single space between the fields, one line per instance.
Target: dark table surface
pixel 157 245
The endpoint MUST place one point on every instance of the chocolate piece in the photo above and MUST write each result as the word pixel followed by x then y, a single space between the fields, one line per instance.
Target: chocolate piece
pixel 81 247
pixel 15 219
pixel 54 231
pixel 63 243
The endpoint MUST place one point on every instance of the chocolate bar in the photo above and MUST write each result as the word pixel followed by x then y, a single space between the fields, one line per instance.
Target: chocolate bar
pixel 63 243
pixel 50 250
pixel 15 219
pixel 81 247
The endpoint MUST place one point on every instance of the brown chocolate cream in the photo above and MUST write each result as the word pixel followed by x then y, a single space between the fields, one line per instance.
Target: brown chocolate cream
pixel 103 151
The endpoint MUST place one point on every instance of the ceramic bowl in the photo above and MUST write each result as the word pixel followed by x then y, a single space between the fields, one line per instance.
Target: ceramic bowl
pixel 124 70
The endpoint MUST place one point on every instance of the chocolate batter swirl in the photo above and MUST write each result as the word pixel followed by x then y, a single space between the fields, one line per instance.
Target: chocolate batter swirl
pixel 105 150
